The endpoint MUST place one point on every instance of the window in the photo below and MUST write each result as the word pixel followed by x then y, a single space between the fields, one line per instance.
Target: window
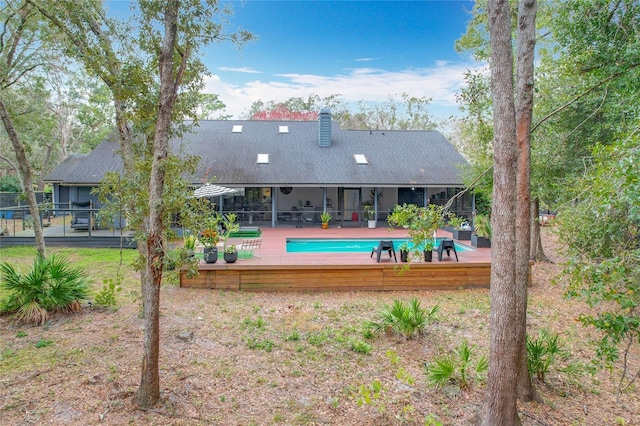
pixel 360 159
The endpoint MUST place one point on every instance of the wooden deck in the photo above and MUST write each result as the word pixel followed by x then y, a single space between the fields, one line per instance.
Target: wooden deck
pixel 276 270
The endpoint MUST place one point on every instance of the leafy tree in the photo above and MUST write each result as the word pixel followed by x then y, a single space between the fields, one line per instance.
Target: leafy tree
pixel 9 184
pixel 409 114
pixel 281 112
pixel 510 166
pixel 602 239
pixel 586 92
pixel 22 49
pixel 208 105
pixel 296 108
pixel 153 82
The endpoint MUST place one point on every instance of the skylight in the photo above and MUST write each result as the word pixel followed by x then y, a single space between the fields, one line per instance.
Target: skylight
pixel 237 129
pixel 360 159
pixel 263 159
pixel 283 129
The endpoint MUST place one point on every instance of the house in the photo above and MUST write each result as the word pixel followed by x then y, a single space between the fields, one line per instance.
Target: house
pixel 283 168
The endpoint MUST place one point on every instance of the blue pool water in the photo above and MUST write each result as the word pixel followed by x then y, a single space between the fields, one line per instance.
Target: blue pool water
pixel 359 245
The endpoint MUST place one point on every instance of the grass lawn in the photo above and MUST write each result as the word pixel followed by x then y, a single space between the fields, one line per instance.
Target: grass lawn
pixel 236 358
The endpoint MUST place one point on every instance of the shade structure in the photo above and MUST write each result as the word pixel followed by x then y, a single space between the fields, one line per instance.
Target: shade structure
pixel 208 190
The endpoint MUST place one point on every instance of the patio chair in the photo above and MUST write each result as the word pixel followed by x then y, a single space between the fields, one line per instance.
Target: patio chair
pixel 308 215
pixel 384 245
pixel 447 245
pixel 251 245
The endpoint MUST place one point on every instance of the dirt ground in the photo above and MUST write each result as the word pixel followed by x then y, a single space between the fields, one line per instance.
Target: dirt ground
pixel 234 358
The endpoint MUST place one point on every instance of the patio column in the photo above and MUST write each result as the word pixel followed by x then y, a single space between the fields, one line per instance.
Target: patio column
pixel 274 207
pixel 375 202
pixel 324 198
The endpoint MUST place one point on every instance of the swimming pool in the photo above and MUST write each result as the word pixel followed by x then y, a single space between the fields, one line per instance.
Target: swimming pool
pixel 353 245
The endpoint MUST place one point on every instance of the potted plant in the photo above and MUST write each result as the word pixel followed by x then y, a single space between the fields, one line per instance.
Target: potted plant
pixel 325 217
pixel 428 250
pixel 189 245
pixel 481 237
pixel 230 254
pixel 461 229
pixel 209 239
pixel 210 236
pixel 370 214
pixel 422 224
pixel 404 251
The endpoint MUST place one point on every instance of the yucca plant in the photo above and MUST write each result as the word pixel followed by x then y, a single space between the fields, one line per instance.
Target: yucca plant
pixel 408 319
pixel 51 285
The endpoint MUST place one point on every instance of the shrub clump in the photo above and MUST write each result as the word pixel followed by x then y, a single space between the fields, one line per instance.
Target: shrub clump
pixel 51 285
pixel 409 319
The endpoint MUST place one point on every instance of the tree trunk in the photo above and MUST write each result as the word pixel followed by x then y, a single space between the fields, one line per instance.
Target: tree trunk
pixel 536 251
pixel 524 111
pixel 25 175
pixel 499 405
pixel 149 390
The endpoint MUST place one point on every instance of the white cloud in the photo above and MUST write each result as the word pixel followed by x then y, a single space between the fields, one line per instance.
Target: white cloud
pixel 244 70
pixel 440 83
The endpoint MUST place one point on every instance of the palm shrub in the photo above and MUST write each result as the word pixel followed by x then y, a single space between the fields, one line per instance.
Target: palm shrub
pixel 543 352
pixel 51 285
pixel 409 319
pixel 458 368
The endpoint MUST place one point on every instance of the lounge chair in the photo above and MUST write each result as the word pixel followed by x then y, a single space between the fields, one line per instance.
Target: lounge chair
pixel 384 245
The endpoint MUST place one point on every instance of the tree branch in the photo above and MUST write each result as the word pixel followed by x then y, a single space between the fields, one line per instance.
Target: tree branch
pixel 581 95
pixel 465 190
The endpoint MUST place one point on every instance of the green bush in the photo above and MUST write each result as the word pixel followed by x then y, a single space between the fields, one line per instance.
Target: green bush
pixel 50 286
pixel 409 319
pixel 106 297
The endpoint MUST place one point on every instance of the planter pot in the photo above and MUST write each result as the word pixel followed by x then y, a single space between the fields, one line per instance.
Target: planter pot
pixel 371 224
pixel 428 255
pixel 404 255
pixel 480 242
pixel 461 234
pixel 211 254
pixel 231 257
pixel 325 225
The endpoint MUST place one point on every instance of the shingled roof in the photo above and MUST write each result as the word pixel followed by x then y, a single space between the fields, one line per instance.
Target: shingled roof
pixel 295 158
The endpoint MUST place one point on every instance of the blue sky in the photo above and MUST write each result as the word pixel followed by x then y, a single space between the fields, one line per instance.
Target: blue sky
pixel 362 50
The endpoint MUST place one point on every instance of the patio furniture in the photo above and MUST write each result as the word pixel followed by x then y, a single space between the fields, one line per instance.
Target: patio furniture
pixel 447 245
pixel 308 215
pixel 80 224
pixel 384 245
